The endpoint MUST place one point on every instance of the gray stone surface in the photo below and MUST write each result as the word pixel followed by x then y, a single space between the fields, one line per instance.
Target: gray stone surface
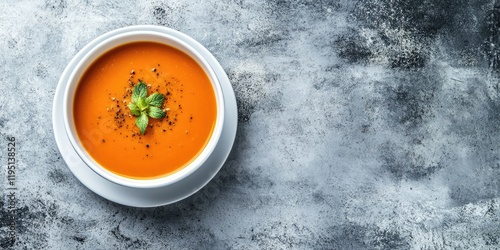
pixel 370 124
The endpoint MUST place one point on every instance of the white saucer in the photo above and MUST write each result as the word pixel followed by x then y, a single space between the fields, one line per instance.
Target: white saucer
pixel 156 196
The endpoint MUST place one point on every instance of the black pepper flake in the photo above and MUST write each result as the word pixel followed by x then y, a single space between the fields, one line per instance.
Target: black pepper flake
pixel 103 140
pixel 147 145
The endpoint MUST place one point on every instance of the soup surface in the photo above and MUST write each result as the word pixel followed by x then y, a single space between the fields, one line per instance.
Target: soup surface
pixel 107 128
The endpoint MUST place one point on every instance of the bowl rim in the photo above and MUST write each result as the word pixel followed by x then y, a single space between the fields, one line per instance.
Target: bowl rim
pixel 102 48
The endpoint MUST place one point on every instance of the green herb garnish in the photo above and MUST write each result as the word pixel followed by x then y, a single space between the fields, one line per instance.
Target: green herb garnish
pixel 143 106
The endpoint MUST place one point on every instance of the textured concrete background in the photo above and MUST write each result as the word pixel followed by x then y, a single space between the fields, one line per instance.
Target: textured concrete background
pixel 363 125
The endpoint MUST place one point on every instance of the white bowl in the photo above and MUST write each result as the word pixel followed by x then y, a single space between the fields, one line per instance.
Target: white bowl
pixel 105 46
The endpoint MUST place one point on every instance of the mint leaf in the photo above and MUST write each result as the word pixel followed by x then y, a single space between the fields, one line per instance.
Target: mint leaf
pixel 155 99
pixel 155 112
pixel 140 90
pixel 141 104
pixel 142 122
pixel 134 109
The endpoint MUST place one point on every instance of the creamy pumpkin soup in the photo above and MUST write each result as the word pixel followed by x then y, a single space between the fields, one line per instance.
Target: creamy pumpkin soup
pixel 154 135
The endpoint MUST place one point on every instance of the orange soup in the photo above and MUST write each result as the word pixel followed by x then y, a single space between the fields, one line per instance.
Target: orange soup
pixel 106 126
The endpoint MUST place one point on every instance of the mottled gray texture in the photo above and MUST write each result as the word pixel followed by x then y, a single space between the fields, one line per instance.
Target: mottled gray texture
pixel 363 125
